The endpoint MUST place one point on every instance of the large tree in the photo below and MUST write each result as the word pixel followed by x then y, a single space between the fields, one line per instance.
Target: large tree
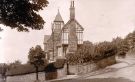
pixel 37 58
pixel 22 14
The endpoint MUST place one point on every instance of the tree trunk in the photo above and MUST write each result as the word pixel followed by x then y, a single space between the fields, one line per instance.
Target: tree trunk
pixel 67 68
pixel 36 73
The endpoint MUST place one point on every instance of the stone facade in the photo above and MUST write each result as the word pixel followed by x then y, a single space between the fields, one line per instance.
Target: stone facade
pixel 65 38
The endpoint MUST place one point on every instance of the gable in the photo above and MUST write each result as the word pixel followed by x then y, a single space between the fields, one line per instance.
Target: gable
pixel 67 25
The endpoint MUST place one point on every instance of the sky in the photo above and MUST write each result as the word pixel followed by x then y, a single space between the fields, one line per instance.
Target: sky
pixel 102 20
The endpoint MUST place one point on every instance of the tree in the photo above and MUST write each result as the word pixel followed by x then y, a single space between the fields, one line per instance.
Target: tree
pixel 123 48
pixel 1 29
pixel 130 39
pixel 37 58
pixel 17 62
pixel 83 53
pixel 22 14
pixel 117 41
pixel 104 49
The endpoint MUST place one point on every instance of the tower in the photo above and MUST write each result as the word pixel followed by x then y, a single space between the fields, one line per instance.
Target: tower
pixel 57 23
pixel 56 30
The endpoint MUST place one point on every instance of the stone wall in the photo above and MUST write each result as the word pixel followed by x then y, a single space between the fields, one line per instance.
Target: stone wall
pixel 76 69
pixel 89 67
pixel 32 77
pixel 62 72
pixel 82 69
pixel 25 78
pixel 106 62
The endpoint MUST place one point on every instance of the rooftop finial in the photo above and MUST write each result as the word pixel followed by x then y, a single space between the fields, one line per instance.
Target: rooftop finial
pixel 58 17
pixel 58 10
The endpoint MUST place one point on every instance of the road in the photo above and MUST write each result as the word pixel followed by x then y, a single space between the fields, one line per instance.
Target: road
pixel 124 69
pixel 95 80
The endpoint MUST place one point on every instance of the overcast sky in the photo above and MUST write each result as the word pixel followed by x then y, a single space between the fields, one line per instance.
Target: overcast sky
pixel 101 19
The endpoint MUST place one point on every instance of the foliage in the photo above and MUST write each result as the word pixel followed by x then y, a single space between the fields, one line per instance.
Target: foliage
pixel 37 58
pixel 83 54
pixel 71 58
pixel 123 49
pixel 3 69
pixel 130 39
pixel 1 29
pixel 18 62
pixel 89 52
pixel 22 69
pixel 22 14
pixel 117 41
pixel 14 64
pixel 59 63
pixel 103 50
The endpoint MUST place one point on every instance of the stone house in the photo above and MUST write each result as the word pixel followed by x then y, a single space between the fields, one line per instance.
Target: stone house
pixel 65 38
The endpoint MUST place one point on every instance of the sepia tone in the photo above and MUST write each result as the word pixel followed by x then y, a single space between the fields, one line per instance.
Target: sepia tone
pixel 66 56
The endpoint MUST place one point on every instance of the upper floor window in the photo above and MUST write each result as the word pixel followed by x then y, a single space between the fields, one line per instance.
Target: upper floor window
pixel 65 36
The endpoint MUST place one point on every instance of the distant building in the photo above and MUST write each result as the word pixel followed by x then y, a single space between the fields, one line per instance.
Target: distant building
pixel 65 38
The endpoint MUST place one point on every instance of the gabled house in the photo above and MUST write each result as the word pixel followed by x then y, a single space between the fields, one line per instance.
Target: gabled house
pixel 65 38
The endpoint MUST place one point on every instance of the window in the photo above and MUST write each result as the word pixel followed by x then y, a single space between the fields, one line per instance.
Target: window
pixel 79 33
pixel 65 37
pixel 79 37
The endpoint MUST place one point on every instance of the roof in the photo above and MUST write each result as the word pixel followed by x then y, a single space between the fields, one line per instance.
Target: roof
pixel 46 38
pixel 69 22
pixel 58 17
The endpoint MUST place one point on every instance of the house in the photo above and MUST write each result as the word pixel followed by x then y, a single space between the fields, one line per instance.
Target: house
pixel 65 37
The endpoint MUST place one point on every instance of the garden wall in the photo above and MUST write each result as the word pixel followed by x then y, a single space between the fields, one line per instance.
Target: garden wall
pixel 25 78
pixel 76 69
pixel 31 77
pixel 89 67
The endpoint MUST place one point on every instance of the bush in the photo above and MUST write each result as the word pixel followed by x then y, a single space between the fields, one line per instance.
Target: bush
pixel 89 52
pixel 22 69
pixel 104 50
